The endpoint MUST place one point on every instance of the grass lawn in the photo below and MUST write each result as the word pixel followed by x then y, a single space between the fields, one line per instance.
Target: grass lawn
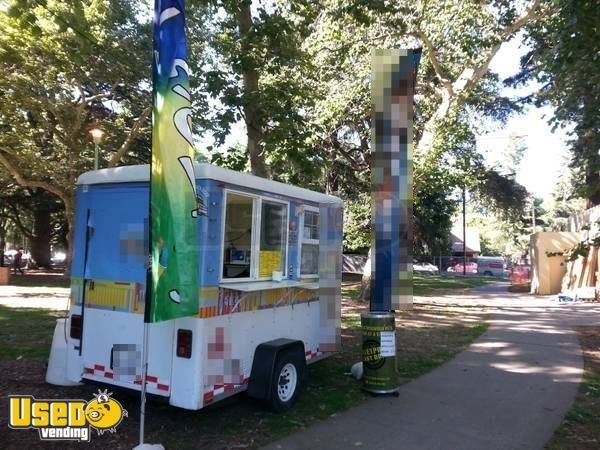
pixel 580 428
pixel 26 333
pixel 429 285
pixel 427 336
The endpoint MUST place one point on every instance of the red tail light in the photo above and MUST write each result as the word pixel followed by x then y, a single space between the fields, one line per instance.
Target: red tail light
pixel 184 343
pixel 76 326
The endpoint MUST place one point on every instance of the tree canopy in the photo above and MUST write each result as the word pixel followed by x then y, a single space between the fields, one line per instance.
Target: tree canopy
pixel 295 74
pixel 564 59
pixel 68 67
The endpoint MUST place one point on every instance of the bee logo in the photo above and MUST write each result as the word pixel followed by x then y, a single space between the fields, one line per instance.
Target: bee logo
pixel 104 413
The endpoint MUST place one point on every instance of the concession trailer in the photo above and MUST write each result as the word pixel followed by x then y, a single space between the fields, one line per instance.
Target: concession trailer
pixel 270 259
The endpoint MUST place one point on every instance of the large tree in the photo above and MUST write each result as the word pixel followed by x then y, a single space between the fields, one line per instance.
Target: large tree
pixel 66 67
pixel 459 38
pixel 31 214
pixel 295 73
pixel 564 202
pixel 454 86
pixel 254 71
pixel 565 44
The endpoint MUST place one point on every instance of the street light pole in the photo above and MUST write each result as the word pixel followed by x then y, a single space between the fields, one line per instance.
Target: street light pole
pixel 97 135
pixel 96 155
pixel 464 211
pixel 533 215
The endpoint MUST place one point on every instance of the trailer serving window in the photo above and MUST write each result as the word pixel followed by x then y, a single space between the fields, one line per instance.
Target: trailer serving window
pixel 254 237
pixel 309 242
pixel 273 238
pixel 237 236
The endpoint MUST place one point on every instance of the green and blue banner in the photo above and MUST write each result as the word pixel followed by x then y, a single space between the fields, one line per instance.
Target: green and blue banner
pixel 172 287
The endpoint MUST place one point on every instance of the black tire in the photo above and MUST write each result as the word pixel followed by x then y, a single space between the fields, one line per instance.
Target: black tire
pixel 487 273
pixel 287 381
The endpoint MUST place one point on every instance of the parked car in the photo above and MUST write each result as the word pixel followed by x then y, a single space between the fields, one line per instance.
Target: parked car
pixel 425 267
pixel 491 266
pixel 471 267
pixel 520 273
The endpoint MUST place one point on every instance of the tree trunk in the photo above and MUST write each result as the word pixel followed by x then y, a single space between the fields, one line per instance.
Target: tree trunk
pixel 365 285
pixel 70 215
pixel 593 183
pixel 40 241
pixel 2 240
pixel 252 113
pixel 331 182
pixel 452 91
pixel 425 144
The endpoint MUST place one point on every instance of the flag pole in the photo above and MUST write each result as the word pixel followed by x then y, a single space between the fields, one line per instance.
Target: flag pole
pixel 147 302
pixel 149 280
pixel 144 375
pixel 172 291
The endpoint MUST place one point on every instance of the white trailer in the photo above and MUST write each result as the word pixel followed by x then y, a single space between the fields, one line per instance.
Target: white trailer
pixel 269 289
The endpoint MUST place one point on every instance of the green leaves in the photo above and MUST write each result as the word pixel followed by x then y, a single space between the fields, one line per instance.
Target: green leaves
pixel 296 74
pixel 66 67
pixel 564 59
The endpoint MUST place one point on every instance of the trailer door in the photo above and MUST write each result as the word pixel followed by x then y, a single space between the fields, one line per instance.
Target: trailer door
pixel 113 295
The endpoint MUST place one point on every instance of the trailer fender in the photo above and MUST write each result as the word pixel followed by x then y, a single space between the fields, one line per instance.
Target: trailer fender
pixel 263 365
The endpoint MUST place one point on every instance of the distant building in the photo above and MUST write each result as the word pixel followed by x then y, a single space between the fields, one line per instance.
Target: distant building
pixel 456 240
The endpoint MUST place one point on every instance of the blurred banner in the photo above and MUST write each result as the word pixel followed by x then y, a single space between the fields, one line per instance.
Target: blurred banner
pixel 331 220
pixel 392 92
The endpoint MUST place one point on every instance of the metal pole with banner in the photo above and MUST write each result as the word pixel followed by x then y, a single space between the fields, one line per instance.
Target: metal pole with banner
pixel 172 282
pixel 393 80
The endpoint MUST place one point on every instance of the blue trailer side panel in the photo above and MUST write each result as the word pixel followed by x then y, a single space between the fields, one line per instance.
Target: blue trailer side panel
pixel 118 246
pixel 210 233
pixel 83 197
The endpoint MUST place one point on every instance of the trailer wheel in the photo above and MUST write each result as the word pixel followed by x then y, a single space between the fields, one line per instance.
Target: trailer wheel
pixel 287 380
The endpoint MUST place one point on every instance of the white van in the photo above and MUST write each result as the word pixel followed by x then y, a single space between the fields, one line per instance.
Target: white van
pixel 491 266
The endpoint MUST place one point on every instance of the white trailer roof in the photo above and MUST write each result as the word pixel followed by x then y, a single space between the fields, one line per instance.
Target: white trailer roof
pixel 141 173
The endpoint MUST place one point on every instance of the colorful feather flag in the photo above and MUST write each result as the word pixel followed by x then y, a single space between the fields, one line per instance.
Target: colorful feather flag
pixel 172 288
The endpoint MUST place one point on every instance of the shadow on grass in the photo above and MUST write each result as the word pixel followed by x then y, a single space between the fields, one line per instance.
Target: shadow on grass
pixel 26 332
pixel 425 285
pixel 39 279
pixel 430 285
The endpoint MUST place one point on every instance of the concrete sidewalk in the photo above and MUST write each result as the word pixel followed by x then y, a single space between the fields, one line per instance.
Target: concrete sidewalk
pixel 508 390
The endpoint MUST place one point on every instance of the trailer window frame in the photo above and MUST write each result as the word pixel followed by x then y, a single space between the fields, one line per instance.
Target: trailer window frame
pixel 255 238
pixel 302 240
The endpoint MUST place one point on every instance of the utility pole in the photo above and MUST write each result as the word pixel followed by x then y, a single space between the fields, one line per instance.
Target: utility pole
pixel 464 230
pixel 533 215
